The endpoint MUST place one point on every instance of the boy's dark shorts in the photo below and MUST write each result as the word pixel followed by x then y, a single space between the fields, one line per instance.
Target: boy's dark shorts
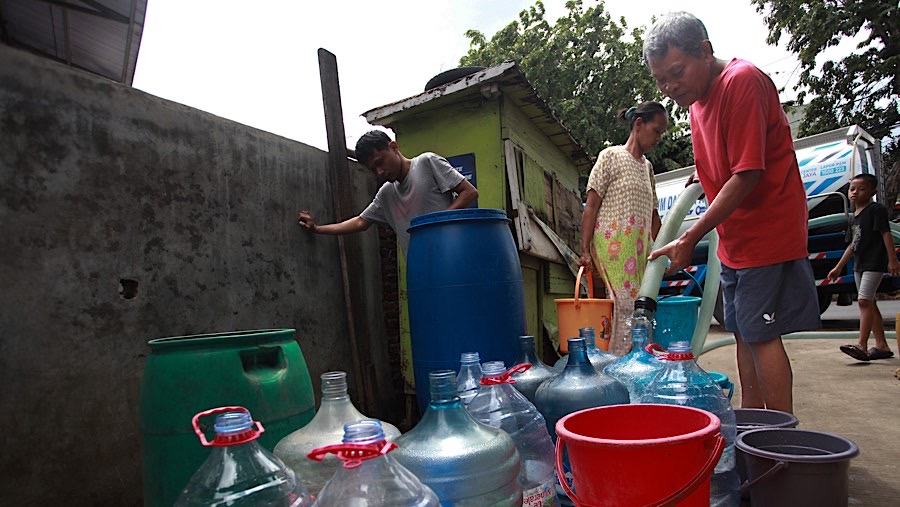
pixel 766 302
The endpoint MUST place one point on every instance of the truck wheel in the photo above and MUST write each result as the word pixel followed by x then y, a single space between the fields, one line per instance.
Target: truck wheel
pixel 719 309
pixel 824 302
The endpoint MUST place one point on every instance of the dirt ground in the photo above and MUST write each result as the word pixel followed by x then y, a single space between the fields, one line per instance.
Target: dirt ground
pixel 837 394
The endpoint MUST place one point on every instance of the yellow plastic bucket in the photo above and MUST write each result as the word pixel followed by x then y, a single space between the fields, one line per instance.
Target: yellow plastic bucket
pixel 575 313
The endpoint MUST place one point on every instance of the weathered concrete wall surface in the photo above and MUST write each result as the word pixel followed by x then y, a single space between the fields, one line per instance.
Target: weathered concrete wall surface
pixel 100 183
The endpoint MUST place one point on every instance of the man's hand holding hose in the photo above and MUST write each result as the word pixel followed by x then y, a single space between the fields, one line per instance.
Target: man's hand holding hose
pixel 735 190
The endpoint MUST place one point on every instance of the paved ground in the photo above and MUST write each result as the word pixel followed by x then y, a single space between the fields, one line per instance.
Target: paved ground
pixel 837 394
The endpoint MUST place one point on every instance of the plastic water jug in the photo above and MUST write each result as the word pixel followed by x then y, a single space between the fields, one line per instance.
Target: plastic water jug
pixel 598 358
pixel 683 382
pixel 369 476
pixel 464 461
pixel 326 427
pixel 529 380
pixel 239 471
pixel 468 380
pixel 637 368
pixel 578 387
pixel 500 405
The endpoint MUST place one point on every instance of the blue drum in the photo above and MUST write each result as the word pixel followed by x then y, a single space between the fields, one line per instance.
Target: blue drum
pixel 464 282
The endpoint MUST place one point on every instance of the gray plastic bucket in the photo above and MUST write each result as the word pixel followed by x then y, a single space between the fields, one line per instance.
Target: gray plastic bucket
pixel 757 418
pixel 796 468
pixel 748 419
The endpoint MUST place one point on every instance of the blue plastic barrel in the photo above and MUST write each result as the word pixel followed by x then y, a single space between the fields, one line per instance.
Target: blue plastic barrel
pixel 464 283
pixel 676 318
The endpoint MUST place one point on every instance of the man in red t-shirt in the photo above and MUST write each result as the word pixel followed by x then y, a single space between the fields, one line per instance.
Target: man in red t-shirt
pixel 747 167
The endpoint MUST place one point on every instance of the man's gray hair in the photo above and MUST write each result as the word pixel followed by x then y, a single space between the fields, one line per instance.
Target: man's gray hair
pixel 679 29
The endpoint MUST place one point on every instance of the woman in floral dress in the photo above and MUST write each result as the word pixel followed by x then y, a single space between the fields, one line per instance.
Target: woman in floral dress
pixel 620 218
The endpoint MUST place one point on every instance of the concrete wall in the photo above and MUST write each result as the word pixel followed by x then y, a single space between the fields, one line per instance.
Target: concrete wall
pixel 100 183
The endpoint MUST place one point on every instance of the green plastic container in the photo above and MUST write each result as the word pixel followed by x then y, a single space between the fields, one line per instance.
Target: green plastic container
pixel 261 370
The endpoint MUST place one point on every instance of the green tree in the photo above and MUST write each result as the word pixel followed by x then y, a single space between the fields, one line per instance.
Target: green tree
pixel 862 88
pixel 587 70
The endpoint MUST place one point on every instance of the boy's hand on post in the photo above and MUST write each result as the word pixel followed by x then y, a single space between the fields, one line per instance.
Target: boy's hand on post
pixel 305 220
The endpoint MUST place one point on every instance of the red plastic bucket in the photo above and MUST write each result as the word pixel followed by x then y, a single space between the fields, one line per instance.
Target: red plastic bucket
pixel 612 448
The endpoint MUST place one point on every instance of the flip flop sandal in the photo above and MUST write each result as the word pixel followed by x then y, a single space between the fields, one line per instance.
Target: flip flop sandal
pixel 856 352
pixel 875 353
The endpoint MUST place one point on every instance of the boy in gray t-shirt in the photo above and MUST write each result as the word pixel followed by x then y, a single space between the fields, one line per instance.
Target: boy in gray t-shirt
pixel 412 187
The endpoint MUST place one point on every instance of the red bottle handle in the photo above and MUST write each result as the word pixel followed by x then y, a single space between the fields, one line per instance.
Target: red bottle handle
pixel 664 355
pixel 505 377
pixel 353 454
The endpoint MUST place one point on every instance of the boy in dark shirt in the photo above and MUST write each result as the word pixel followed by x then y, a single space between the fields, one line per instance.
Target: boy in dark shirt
pixel 873 254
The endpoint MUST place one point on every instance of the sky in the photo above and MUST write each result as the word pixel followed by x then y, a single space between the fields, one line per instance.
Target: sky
pixel 256 62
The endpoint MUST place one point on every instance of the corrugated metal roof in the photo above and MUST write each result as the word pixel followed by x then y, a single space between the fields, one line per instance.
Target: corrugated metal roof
pixel 102 37
pixel 510 80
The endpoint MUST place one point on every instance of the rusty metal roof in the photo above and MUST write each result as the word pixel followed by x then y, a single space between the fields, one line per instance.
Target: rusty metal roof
pixel 510 80
pixel 99 36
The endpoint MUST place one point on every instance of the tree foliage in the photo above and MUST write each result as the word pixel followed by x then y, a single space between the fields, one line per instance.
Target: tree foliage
pixel 587 69
pixel 862 88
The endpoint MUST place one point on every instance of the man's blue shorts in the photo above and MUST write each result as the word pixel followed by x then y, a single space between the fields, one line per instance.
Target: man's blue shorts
pixel 766 302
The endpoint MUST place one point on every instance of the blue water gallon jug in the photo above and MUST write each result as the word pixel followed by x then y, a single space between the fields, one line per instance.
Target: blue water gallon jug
pixel 599 358
pixel 578 387
pixel 464 461
pixel 465 291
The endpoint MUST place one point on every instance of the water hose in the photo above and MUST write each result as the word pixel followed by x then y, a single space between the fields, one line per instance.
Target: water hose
pixel 656 268
pixel 710 294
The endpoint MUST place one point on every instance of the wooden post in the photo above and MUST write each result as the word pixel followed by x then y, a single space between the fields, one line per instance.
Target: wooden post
pixel 349 246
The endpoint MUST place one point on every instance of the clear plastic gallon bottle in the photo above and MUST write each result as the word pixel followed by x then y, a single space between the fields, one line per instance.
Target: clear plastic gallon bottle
pixel 239 472
pixel 529 380
pixel 468 380
pixel 465 462
pixel 598 358
pixel 500 405
pixel 637 368
pixel 327 427
pixel 683 382
pixel 370 477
